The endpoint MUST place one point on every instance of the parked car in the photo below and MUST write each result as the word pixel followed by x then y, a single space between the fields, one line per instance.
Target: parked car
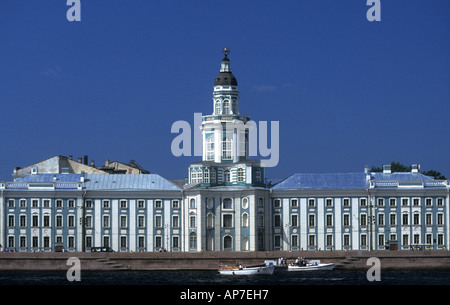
pixel 101 249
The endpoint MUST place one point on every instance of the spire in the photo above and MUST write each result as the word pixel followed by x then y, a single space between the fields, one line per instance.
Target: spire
pixel 225 76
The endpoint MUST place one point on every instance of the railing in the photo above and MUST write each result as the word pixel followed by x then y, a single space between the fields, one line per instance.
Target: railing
pixel 41 185
pixel 411 184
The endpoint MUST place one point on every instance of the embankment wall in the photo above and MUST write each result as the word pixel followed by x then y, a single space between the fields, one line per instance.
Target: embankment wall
pixel 211 260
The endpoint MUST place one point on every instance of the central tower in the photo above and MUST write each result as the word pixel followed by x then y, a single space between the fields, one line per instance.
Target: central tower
pixel 225 138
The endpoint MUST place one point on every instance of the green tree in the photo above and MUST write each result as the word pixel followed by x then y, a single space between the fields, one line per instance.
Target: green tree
pixel 398 167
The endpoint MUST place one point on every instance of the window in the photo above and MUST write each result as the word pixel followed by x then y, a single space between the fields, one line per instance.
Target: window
pixel 158 242
pixel 405 219
pixel 227 204
pixel 59 203
pixel 260 220
pixel 312 220
pixel 23 203
pixel 380 202
pixel 192 241
pixel 194 176
pixel 46 220
pixel 123 221
pixel 346 220
pixel 240 174
pixel 294 220
pixel 88 221
pixel 363 240
pixel 227 221
pixel 346 240
pixel 88 204
pixel 210 148
pixel 158 221
pixel 123 241
pixel 175 221
pixel 218 107
pixel 175 204
pixel 392 219
pixel 381 240
pixel 405 202
pixel 192 222
pixel 226 107
pixel 141 204
pixel 440 202
pixel 227 243
pixel 312 240
pixel 416 219
pixel 329 240
pixel 11 203
pixel 363 202
pixel 294 240
pixel 226 149
pixel 210 221
pixel 106 204
pixel 346 203
pixel 277 220
pixel 141 221
pixel 277 203
pixel 123 204
pixel 59 221
pixel 35 203
pixel 428 219
pixel 71 221
pixel 440 219
pixel 141 242
pixel 11 220
pixel 329 220
pixel 392 202
pixel 192 203
pixel 23 220
pixel 206 176
pixel 35 221
pixel 405 239
pixel 46 203
pixel 71 203
pixel 175 243
pixel 257 175
pixel 106 221
pixel 381 219
pixel 416 202
pixel 294 203
pixel 158 204
pixel 311 203
pixel 245 203
pixel 277 241
pixel 245 220
pixel 329 202
pixel 428 202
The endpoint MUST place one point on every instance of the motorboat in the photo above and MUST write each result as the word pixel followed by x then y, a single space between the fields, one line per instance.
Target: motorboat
pixel 310 266
pixel 261 269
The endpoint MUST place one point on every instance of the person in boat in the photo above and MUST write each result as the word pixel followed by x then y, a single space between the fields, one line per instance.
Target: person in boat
pixel 240 267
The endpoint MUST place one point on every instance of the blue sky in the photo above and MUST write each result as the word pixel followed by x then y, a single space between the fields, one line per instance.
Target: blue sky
pixel 347 92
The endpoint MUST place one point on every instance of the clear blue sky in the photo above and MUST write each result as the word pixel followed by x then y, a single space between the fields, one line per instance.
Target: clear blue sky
pixel 347 92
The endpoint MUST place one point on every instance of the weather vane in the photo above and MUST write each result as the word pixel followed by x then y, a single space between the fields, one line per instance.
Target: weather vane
pixel 226 51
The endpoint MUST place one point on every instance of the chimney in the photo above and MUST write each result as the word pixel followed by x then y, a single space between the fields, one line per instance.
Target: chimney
pixel 92 163
pixel 415 168
pixel 85 161
pixel 386 169
pixel 70 157
pixel 80 159
pixel 107 162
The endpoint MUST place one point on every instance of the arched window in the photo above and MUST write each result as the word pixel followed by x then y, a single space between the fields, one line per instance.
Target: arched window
pixel 227 203
pixel 213 176
pixel 206 175
pixel 210 221
pixel 210 149
pixel 227 243
pixel 199 176
pixel 226 176
pixel 226 149
pixel 245 220
pixel 245 243
pixel 194 176
pixel 193 241
pixel 234 107
pixel 217 111
pixel 226 107
pixel 240 175
pixel 192 203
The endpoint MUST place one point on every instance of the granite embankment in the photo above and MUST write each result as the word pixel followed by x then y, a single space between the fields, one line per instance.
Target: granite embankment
pixel 211 260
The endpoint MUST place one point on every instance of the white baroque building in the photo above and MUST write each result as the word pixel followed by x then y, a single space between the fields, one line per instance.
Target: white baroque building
pixel 225 206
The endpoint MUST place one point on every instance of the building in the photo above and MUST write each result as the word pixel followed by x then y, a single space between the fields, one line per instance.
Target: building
pixel 225 204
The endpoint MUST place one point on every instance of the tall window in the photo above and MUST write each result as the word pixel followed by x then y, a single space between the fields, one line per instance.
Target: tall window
pixel 226 176
pixel 226 107
pixel 226 149
pixel 210 149
pixel 193 241
pixel 217 107
pixel 240 174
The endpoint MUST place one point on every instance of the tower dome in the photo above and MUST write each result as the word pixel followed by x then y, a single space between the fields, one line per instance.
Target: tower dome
pixel 225 77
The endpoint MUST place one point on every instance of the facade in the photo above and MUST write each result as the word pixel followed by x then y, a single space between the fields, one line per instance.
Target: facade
pixel 225 204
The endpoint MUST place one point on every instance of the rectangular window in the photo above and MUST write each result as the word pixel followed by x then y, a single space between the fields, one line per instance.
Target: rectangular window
pixel 329 202
pixel 175 204
pixel 346 203
pixel 158 221
pixel 23 203
pixel 428 202
pixel 381 240
pixel 363 202
pixel 46 221
pixel 11 203
pixel 141 204
pixel 123 241
pixel 294 220
pixel 329 220
pixel 23 220
pixel 59 221
pixel 311 203
pixel 106 204
pixel 35 203
pixel 381 219
pixel 141 221
pixel 227 221
pixel 71 204
pixel 416 219
pixel 71 221
pixel 158 204
pixel 106 221
pixel 123 204
pixel 346 220
pixel 59 203
pixel 123 221
pixel 192 221
pixel 277 220
pixel 277 203
pixel 392 219
pixel 46 203
pixel 392 202
pixel 11 220
pixel 88 204
pixel 380 202
pixel 363 220
pixel 294 203
pixel 35 221
pixel 175 221
pixel 312 220
pixel 405 219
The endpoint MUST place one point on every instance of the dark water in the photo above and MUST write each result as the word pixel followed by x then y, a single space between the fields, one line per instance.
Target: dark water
pixel 334 277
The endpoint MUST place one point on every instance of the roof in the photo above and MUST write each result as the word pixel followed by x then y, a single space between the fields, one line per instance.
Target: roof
pixel 334 181
pixel 128 182
pixel 108 182
pixel 400 176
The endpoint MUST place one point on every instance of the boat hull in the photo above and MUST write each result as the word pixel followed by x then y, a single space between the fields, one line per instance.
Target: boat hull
pixel 311 268
pixel 248 271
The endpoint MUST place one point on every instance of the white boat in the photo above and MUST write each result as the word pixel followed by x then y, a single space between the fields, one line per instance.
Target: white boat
pixel 247 270
pixel 310 267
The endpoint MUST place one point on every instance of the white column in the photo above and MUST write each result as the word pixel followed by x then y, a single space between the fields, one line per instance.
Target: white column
pixel 132 225
pixel 98 223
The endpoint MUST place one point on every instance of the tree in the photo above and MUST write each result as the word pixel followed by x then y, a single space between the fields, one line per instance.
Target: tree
pixel 397 167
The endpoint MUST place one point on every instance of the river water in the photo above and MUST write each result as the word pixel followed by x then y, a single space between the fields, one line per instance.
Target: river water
pixel 334 277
